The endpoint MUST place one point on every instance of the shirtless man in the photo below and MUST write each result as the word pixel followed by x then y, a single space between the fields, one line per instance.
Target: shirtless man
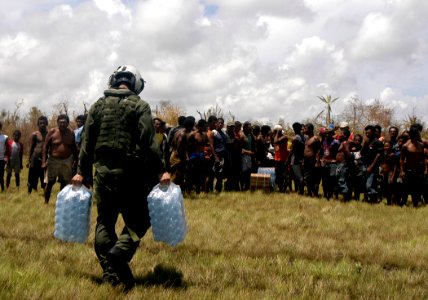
pixel 296 155
pixel 179 153
pixel 329 148
pixel 311 161
pixel 198 141
pixel 34 165
pixel 412 166
pixel 343 163
pixel 59 155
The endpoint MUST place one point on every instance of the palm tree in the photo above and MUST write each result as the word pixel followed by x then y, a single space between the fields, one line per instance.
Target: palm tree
pixel 328 101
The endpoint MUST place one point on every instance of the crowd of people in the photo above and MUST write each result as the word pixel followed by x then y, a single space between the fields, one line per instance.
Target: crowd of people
pixel 208 156
pixel 52 155
pixel 131 152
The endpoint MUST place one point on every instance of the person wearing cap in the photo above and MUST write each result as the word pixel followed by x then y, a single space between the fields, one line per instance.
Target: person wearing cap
pixel 343 128
pixel 280 143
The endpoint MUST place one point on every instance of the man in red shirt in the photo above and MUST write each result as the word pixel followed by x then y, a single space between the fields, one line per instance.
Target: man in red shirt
pixel 280 144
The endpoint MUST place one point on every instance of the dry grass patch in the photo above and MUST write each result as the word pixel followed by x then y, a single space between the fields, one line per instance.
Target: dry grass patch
pixel 239 246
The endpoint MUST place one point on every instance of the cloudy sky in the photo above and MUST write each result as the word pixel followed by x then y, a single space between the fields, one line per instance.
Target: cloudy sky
pixel 260 60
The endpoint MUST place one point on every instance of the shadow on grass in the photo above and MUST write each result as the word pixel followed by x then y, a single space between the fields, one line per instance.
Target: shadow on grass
pixel 166 276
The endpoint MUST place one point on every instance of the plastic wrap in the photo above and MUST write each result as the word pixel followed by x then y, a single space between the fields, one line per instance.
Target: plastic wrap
pixel 269 171
pixel 167 216
pixel 73 214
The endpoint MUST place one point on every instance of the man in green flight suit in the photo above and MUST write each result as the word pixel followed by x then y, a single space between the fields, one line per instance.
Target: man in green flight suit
pixel 118 141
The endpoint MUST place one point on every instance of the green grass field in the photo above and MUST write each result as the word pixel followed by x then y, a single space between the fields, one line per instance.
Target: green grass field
pixel 239 246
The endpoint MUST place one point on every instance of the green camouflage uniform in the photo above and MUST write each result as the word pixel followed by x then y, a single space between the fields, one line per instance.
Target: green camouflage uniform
pixel 118 141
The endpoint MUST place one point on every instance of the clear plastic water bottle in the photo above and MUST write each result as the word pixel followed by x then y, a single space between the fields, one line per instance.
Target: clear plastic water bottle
pixel 166 210
pixel 73 214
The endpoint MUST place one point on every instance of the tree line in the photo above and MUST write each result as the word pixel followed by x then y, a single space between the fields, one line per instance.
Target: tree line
pixel 356 112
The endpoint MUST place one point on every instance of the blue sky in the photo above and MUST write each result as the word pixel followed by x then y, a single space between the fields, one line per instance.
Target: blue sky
pixel 210 10
pixel 260 60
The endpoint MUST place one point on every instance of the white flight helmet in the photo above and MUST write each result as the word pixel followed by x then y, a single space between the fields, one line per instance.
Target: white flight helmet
pixel 129 75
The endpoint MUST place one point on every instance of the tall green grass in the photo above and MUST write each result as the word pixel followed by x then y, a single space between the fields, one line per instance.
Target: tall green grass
pixel 239 246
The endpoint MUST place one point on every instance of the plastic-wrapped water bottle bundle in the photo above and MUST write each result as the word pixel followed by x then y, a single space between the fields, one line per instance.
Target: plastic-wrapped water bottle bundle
pixel 166 209
pixel 73 214
pixel 271 172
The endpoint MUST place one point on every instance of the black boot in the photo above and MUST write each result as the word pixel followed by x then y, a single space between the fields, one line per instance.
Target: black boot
pixel 121 267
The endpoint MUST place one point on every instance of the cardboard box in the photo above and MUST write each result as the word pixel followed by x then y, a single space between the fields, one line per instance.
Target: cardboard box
pixel 260 182
pixel 271 172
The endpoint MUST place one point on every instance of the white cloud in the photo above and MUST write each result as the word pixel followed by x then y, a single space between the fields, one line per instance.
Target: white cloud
pixel 112 7
pixel 377 39
pixel 61 11
pixel 255 8
pixel 18 47
pixel 393 97
pixel 257 59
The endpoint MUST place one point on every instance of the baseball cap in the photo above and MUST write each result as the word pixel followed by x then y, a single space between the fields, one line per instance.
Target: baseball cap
pixel 343 124
pixel 277 127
